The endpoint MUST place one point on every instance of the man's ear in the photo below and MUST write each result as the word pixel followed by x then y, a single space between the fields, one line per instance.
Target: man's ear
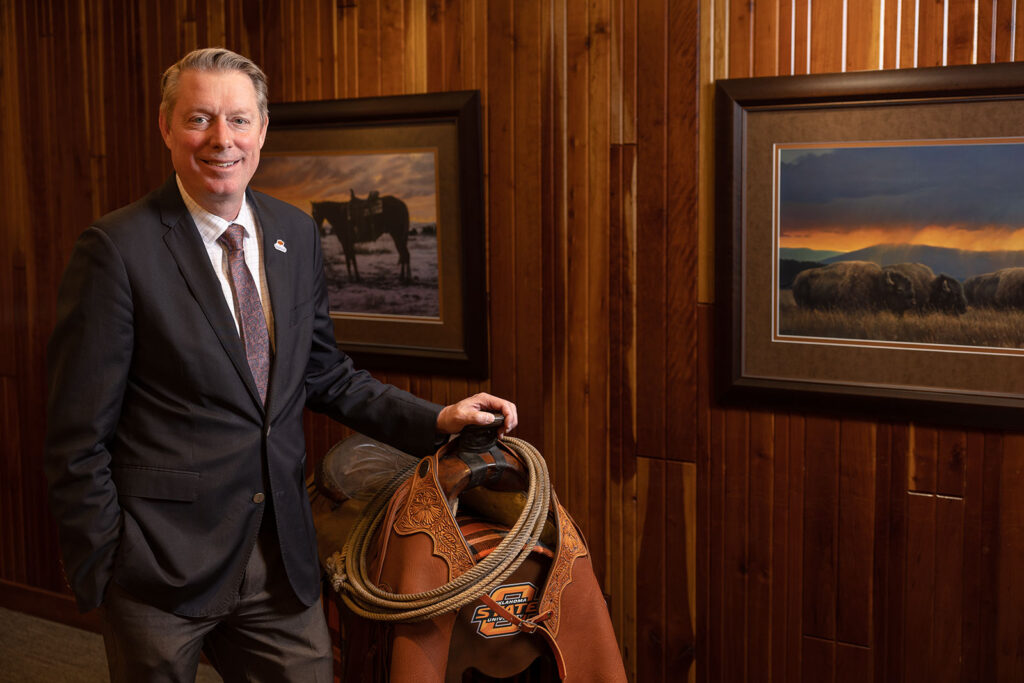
pixel 165 129
pixel 263 133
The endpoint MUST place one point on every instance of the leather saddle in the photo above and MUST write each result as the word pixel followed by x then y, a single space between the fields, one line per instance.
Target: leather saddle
pixel 547 621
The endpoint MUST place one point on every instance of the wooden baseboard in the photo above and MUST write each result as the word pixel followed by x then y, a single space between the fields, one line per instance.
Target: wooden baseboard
pixel 46 605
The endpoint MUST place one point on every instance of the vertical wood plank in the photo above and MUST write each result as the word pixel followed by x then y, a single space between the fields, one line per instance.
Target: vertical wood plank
pixel 501 196
pixel 765 46
pixel 991 544
pixel 1009 645
pixel 392 46
pixel 818 660
pixel 709 501
pixel 651 576
pixel 680 590
pixel 985 49
pixel 949 583
pixel 923 456
pixel 920 588
pixel 885 529
pixel 651 228
pixel 853 664
pixel 787 34
pixel 368 36
pixel 1002 39
pixel 862 34
pixel 951 455
pixel 896 551
pixel 973 554
pixel 963 28
pixel 826 37
pixel 908 36
pixel 931 33
pixel 624 76
pixel 855 532
pixel 681 239
pixel 597 350
pixel 741 38
pixel 779 628
pixel 735 532
pixel 820 519
pixel 715 623
pixel 528 230
pixel 621 551
pixel 795 547
pixel 761 489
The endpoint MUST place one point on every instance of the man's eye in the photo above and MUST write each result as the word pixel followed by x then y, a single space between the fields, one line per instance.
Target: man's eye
pixel 241 122
pixel 198 120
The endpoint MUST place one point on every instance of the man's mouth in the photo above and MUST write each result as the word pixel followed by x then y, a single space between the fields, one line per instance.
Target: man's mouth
pixel 220 164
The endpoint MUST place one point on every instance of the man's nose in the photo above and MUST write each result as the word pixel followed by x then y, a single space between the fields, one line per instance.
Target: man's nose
pixel 220 133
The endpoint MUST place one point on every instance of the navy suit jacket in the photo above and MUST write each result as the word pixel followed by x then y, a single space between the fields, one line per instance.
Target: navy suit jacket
pixel 157 442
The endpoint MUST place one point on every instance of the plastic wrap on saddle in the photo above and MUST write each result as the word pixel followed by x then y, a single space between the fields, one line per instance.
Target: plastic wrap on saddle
pixel 357 467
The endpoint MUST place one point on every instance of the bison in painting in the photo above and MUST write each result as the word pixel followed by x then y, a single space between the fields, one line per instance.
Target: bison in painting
pixel 853 286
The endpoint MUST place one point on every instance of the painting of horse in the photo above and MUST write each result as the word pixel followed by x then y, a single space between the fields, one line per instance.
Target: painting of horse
pixel 364 220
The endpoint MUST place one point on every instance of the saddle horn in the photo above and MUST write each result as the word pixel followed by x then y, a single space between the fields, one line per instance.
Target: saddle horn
pixel 478 458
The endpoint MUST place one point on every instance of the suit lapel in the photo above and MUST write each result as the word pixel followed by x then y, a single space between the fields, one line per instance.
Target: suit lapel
pixel 188 250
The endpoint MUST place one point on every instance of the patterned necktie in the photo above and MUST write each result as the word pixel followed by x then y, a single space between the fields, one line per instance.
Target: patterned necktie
pixel 254 324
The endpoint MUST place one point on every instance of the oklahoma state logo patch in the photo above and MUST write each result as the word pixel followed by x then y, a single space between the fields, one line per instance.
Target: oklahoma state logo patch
pixel 518 598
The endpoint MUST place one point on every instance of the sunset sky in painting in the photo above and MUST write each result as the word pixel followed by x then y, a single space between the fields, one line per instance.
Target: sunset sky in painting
pixel 299 180
pixel 962 196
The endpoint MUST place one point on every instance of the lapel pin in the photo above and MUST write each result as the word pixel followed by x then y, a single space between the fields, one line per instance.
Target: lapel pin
pixel 279 245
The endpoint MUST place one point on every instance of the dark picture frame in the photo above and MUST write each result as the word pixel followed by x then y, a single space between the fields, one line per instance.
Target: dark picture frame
pixel 445 129
pixel 758 366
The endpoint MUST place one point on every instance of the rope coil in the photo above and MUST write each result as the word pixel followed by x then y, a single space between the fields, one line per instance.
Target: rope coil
pixel 350 572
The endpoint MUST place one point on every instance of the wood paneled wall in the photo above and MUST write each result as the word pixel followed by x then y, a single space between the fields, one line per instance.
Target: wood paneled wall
pixel 590 115
pixel 734 545
pixel 848 549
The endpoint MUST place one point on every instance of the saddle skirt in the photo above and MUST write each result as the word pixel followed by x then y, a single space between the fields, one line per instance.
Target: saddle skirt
pixel 551 605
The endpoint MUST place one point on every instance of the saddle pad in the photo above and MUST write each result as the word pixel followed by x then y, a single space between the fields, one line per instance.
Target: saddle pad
pixel 482 536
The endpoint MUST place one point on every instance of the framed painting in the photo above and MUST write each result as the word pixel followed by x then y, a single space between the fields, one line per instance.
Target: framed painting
pixel 870 243
pixel 395 187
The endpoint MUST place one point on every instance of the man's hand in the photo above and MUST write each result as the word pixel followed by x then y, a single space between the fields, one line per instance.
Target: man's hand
pixel 471 411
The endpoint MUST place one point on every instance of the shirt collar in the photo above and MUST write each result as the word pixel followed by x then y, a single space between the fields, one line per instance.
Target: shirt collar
pixel 212 226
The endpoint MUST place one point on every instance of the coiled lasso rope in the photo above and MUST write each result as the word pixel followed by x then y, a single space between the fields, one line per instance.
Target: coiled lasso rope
pixel 363 597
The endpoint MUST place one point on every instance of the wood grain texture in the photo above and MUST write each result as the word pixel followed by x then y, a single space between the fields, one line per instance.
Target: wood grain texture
pixel 734 544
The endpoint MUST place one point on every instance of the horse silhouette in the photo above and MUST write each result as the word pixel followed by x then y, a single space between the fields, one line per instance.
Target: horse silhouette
pixel 364 220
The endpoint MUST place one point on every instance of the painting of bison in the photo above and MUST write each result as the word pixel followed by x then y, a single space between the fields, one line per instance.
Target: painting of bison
pixel 916 244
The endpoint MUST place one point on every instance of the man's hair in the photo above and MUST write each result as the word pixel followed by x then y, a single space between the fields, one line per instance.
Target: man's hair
pixel 212 59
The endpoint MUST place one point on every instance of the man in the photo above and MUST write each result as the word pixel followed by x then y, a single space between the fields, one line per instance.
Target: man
pixel 192 330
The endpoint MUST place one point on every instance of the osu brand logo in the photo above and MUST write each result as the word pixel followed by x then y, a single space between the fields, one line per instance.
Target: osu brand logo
pixel 518 598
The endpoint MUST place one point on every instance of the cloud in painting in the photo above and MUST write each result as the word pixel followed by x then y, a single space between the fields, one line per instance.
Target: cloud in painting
pixel 966 186
pixel 300 179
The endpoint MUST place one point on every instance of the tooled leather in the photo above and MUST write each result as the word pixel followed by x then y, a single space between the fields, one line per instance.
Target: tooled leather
pixel 426 511
pixel 570 547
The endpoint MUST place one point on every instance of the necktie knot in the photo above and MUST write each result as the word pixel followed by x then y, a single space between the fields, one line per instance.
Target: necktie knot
pixel 232 237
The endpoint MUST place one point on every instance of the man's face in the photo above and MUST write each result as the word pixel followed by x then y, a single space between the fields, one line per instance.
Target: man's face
pixel 215 135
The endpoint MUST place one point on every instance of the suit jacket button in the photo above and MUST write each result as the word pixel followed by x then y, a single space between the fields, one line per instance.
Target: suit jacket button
pixel 258 498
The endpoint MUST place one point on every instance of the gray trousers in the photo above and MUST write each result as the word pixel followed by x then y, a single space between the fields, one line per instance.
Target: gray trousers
pixel 267 636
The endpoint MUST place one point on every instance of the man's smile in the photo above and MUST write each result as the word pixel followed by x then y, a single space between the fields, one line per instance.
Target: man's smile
pixel 220 164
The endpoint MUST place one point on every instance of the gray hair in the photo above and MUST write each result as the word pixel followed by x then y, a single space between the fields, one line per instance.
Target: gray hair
pixel 212 59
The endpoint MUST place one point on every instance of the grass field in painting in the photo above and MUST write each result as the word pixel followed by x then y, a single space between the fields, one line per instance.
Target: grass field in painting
pixel 977 327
